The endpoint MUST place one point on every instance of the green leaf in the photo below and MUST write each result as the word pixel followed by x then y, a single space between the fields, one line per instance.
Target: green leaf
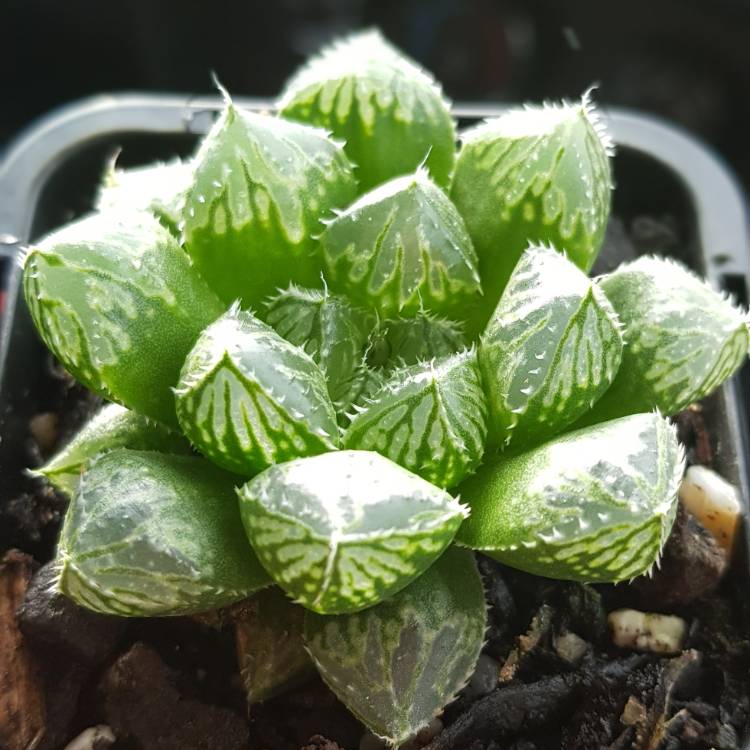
pixel 425 336
pixel 247 398
pixel 365 382
pixel 389 112
pixel 150 534
pixel 594 505
pixel 430 418
pixel 116 301
pixel 396 665
pixel 111 427
pixel 157 188
pixel 330 329
pixel 401 248
pixel 270 646
pixel 262 186
pixel 683 339
pixel 344 530
pixel 537 174
pixel 550 350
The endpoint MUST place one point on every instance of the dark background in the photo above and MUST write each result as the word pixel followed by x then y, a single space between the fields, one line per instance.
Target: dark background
pixel 688 60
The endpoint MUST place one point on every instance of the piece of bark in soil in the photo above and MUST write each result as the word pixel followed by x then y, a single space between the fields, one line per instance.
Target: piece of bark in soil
pixel 142 704
pixel 692 567
pixel 21 693
pixel 50 620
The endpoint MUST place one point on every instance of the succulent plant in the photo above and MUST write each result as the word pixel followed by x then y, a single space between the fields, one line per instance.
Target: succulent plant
pixel 397 664
pixel 371 96
pixel 400 248
pixel 539 175
pixel 340 422
pixel 550 350
pixel 260 188
pixel 113 426
pixel 343 530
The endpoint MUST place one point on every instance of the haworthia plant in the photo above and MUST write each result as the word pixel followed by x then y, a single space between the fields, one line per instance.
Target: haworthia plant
pixel 430 418
pixel 537 174
pixel 116 300
pixel 270 646
pixel 330 329
pixel 342 531
pixel 390 114
pixel 400 248
pixel 154 534
pixel 593 505
pixel 420 338
pixel 684 339
pixel 397 664
pixel 113 426
pixel 550 350
pixel 260 189
pixel 247 398
pixel 158 188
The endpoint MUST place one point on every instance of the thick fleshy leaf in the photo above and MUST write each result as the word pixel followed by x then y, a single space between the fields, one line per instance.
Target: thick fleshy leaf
pixel 401 248
pixel 390 113
pixel 366 382
pixel 330 329
pixel 113 426
pixel 247 398
pixel 550 350
pixel 430 418
pixel 396 665
pixel 537 174
pixel 593 505
pixel 261 187
pixel 425 336
pixel 346 529
pixel 683 339
pixel 270 645
pixel 116 300
pixel 151 534
pixel 158 188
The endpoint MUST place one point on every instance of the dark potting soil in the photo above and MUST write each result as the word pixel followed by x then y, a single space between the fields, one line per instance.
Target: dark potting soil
pixel 549 676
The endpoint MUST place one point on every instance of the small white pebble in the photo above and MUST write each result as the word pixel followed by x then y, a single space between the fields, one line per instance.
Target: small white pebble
pixel 714 502
pixel 644 631
pixel 570 647
pixel 92 738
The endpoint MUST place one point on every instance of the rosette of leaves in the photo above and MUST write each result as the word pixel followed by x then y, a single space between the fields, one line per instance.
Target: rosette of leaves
pixel 260 188
pixel 594 505
pixel 341 531
pixel 157 188
pixel 430 418
pixel 332 330
pixel 150 534
pixel 683 339
pixel 107 293
pixel 400 248
pixel 390 113
pixel 397 664
pixel 536 174
pixel 550 350
pixel 113 426
pixel 247 398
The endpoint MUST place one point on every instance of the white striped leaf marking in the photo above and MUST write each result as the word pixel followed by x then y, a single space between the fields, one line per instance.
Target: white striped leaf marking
pixel 594 505
pixel 150 534
pixel 343 530
pixel 369 95
pixel 396 665
pixel 247 398
pixel 400 248
pixel 550 350
pixel 430 418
